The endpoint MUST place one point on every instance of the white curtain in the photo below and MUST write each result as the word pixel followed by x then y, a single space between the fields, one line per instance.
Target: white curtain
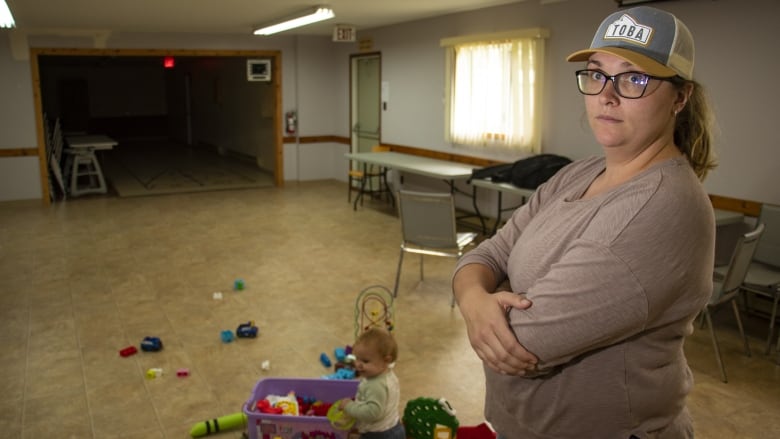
pixel 494 94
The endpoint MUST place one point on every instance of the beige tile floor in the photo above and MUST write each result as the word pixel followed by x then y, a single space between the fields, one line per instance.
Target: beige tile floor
pixel 82 279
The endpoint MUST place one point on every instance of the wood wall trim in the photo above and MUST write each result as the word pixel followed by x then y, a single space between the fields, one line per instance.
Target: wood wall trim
pixel 19 152
pixel 748 207
pixel 476 161
pixel 318 139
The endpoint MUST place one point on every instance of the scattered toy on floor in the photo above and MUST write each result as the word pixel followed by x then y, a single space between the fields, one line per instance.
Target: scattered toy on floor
pixel 151 344
pixel 344 369
pixel 341 374
pixel 227 336
pixel 247 330
pixel 128 351
pixel 428 417
pixel 216 425
pixel 481 431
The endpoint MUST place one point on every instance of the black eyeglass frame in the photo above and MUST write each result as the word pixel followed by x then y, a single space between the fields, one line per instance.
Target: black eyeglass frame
pixel 672 79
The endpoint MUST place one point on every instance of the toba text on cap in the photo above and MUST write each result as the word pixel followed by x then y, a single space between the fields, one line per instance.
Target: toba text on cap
pixel 652 39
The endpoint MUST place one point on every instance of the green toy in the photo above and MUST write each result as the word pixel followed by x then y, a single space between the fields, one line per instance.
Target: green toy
pixel 422 415
pixel 338 418
pixel 216 425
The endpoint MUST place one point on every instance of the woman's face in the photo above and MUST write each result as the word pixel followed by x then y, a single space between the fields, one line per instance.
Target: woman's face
pixel 632 124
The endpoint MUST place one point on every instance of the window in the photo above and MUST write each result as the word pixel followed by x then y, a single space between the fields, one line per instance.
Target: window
pixel 494 85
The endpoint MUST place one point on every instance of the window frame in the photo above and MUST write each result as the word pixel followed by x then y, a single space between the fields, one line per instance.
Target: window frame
pixel 530 143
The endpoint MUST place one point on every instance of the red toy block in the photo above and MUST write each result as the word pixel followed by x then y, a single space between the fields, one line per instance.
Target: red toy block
pixel 264 406
pixel 128 351
pixel 481 431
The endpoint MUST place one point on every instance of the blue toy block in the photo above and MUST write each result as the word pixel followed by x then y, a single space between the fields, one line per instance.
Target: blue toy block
pixel 325 360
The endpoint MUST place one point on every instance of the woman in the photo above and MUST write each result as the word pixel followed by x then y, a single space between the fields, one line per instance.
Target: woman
pixel 610 261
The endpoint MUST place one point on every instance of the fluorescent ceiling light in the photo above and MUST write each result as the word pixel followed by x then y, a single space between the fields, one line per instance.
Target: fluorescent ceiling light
pixel 309 16
pixel 6 19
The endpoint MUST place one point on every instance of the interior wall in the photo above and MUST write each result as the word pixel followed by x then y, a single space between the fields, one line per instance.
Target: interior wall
pixel 230 112
pixel 104 94
pixel 24 181
pixel 733 40
pixel 136 97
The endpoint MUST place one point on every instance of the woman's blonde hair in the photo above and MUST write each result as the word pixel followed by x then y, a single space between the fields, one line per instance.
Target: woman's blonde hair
pixel 381 340
pixel 693 130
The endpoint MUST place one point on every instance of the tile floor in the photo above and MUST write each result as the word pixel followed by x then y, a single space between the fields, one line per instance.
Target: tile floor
pixel 161 166
pixel 82 279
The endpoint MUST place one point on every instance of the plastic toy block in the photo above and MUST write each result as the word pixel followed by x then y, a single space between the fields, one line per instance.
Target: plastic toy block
pixel 246 330
pixel 151 344
pixel 128 351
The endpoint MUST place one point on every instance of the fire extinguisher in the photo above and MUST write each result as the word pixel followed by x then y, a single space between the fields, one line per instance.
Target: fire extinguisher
pixel 291 122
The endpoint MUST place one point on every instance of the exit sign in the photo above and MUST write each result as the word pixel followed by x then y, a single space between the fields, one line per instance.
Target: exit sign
pixel 343 33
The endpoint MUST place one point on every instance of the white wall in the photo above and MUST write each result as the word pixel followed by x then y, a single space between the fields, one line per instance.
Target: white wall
pixel 735 43
pixel 734 40
pixel 19 176
pixel 315 161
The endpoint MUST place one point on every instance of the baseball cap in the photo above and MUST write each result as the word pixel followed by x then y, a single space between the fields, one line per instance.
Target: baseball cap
pixel 654 40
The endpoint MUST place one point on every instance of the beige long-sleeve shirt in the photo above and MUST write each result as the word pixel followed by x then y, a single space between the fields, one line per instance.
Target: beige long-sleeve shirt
pixel 616 281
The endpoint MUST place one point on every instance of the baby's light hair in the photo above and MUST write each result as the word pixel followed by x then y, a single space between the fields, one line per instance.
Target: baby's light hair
pixel 381 340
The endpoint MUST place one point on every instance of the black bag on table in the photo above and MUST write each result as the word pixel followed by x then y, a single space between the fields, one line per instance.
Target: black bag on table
pixel 526 173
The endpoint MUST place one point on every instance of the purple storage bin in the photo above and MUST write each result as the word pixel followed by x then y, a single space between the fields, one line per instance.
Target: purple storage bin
pixel 267 426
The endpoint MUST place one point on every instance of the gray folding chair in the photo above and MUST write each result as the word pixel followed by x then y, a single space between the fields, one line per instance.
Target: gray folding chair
pixel 428 227
pixel 727 290
pixel 763 275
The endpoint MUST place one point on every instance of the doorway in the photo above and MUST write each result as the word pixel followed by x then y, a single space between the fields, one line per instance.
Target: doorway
pixel 217 90
pixel 365 104
pixel 366 80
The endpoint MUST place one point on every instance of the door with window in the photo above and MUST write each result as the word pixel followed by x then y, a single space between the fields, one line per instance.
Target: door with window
pixel 365 74
pixel 364 108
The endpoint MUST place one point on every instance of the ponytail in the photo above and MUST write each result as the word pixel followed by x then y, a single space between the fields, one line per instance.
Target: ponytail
pixel 692 132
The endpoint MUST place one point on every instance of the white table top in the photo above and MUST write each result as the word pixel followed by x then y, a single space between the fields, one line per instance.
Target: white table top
pixel 726 217
pixel 90 141
pixel 502 187
pixel 415 164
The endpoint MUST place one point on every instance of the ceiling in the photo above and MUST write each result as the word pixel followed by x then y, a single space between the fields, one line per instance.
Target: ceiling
pixel 222 16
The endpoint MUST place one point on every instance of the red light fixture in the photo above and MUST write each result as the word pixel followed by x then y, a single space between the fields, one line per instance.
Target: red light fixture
pixel 168 62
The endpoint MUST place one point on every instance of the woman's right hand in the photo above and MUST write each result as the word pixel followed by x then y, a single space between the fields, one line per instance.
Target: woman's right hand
pixel 487 326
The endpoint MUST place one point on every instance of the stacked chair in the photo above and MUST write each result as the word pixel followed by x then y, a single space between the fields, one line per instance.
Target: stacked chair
pixel 763 274
pixel 726 289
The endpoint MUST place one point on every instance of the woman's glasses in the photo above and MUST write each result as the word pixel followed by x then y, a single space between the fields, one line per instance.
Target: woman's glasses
pixel 630 85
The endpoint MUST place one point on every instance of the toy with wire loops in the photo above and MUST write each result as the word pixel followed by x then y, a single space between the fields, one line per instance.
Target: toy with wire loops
pixel 373 308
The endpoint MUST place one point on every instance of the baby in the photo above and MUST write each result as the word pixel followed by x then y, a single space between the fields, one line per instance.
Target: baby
pixel 375 407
